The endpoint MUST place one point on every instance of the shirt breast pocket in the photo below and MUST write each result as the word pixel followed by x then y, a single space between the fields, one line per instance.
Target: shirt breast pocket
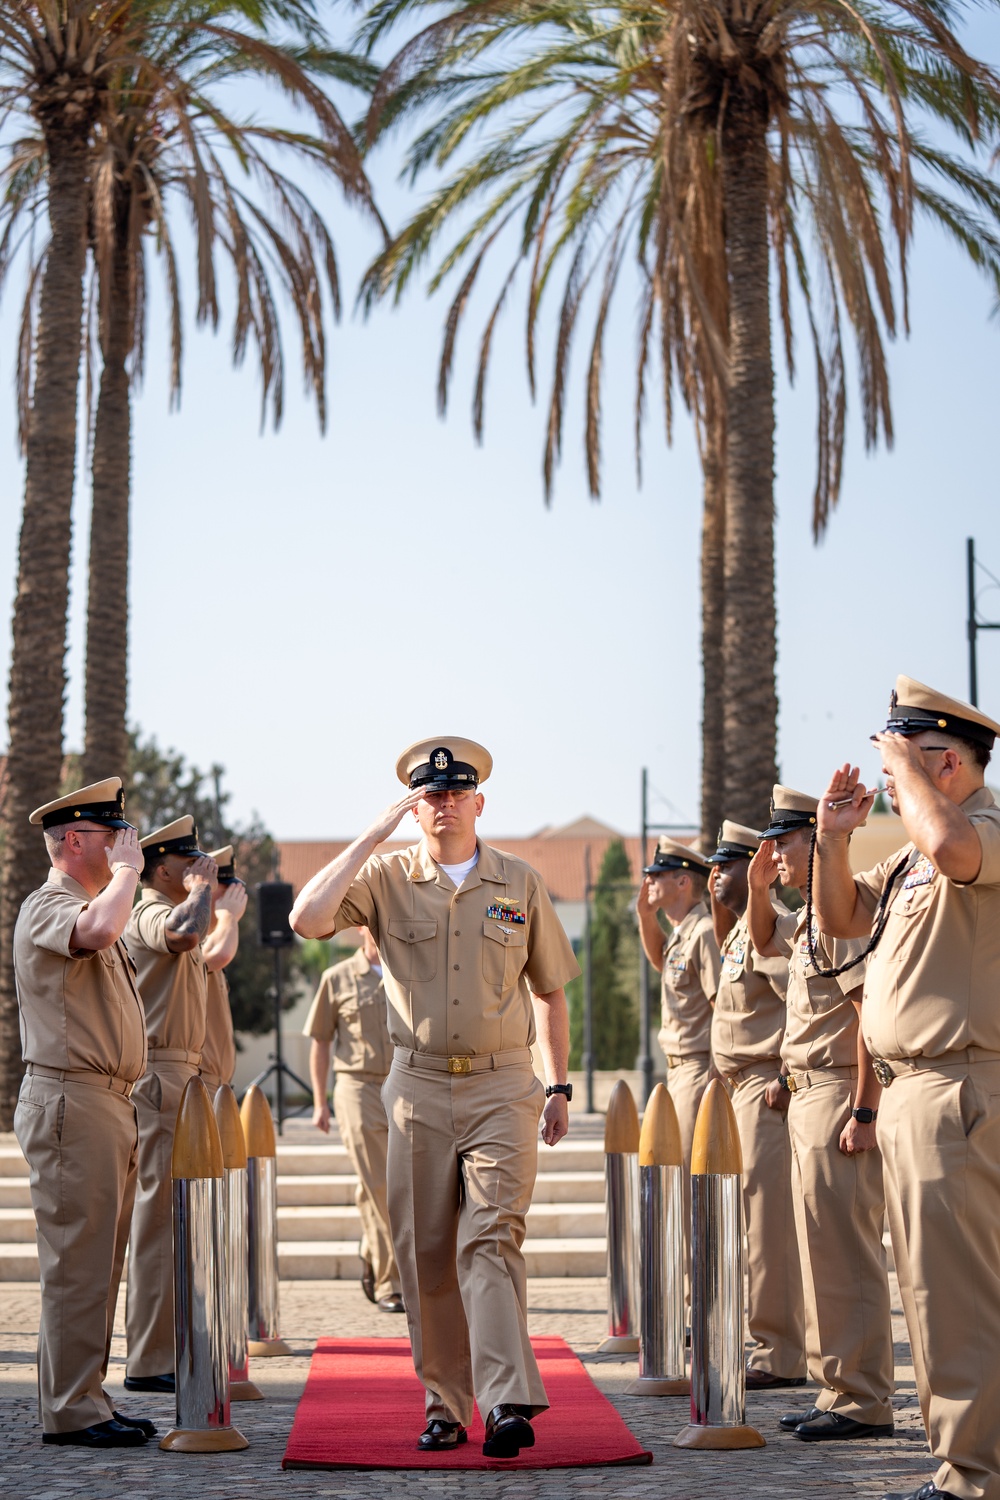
pixel 504 955
pixel 412 956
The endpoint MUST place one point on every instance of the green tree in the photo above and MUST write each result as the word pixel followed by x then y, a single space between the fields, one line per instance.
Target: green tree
pixel 614 948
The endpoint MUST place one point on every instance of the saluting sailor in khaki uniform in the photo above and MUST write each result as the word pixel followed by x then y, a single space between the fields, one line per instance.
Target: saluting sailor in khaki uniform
pixel 471 947
pixel 676 884
pixel 837 1189
pixel 748 1023
pixel 931 1019
pixel 84 1041
pixel 348 1016
pixel 164 937
pixel 229 902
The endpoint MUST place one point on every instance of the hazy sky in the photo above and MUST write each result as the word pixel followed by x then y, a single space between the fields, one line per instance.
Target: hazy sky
pixel 303 608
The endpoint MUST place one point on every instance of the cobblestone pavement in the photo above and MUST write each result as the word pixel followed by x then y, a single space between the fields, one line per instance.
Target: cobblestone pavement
pixel 575 1309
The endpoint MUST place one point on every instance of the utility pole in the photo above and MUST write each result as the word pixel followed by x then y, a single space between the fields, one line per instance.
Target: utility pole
pixel 973 624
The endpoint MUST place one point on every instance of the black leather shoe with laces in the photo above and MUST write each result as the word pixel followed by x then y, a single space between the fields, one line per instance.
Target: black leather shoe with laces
pixel 508 1430
pixel 438 1436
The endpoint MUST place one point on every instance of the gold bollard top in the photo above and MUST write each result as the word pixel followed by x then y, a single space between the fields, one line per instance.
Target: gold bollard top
pixel 716 1149
pixel 197 1149
pixel 621 1123
pixel 227 1117
pixel 660 1139
pixel 258 1126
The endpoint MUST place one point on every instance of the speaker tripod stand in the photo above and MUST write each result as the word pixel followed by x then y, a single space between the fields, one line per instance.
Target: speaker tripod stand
pixel 274 905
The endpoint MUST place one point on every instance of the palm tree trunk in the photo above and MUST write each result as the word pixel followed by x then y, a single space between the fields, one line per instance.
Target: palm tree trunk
pixel 751 702
pixel 37 673
pixel 106 740
pixel 713 533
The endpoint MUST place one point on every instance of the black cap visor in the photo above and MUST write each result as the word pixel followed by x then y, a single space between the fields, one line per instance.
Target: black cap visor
pixel 674 862
pixel 907 720
pixel 726 853
pixel 107 813
pixel 788 822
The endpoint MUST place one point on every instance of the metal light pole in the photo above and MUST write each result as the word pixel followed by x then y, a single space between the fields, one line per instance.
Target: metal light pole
pixel 973 624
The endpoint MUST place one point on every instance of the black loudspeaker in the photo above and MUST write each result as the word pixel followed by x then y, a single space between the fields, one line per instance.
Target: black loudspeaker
pixel 274 907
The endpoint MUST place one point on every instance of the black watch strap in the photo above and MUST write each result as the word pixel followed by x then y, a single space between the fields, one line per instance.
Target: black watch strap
pixel 865 1116
pixel 559 1088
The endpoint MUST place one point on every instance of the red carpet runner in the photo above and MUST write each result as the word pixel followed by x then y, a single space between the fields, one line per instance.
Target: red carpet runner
pixel 363 1408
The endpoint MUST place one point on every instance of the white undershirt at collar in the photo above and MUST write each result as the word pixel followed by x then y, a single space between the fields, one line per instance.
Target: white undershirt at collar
pixel 457 873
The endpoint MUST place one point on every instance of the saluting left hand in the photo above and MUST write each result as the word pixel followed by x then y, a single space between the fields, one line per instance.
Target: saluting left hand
pixel 555 1119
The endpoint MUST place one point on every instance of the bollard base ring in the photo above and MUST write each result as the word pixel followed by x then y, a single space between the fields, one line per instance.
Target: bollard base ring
pixel 265 1348
pixel 652 1385
pixel 696 1436
pixel 211 1440
pixel 244 1390
pixel 627 1343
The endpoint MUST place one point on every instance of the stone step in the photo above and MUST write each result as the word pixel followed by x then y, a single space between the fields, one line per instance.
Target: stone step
pixel 15 1192
pixel 564 1221
pixel 323 1260
pixel 308 1190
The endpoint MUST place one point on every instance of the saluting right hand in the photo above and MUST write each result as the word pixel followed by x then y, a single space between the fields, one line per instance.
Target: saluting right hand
pixel 762 871
pixel 125 850
pixel 201 871
pixel 846 788
pixel 390 820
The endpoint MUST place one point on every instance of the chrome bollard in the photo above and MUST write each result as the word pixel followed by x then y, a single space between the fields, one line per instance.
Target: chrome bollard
pixel 201 1366
pixel 718 1374
pixel 234 1218
pixel 661 1252
pixel 262 1223
pixel 621 1169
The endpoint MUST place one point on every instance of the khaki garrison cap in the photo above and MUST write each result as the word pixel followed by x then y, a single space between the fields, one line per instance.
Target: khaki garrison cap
pixel 790 810
pixel 226 863
pixel 178 837
pixel 101 802
pixel 736 841
pixel 445 764
pixel 915 708
pixel 671 854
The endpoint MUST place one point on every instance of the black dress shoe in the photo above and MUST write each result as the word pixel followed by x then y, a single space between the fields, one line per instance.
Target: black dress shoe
pixel 928 1491
pixel 508 1431
pixel 392 1303
pixel 793 1419
pixel 101 1435
pixel 368 1278
pixel 832 1427
pixel 439 1435
pixel 139 1423
pixel 164 1384
pixel 763 1380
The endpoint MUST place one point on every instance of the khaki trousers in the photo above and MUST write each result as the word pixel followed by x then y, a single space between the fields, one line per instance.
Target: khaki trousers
pixel 149 1302
pixel 357 1103
pixel 839 1207
pixel 460 1171
pixel 80 1144
pixel 686 1083
pixel 774 1282
pixel 940 1137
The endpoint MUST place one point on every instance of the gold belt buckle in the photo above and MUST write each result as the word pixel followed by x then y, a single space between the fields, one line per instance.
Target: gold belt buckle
pixel 790 1084
pixel 882 1071
pixel 460 1065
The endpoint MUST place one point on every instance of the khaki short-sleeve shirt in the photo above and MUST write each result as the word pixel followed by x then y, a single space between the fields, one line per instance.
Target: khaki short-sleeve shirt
pixel 349 1010
pixel 933 982
pixel 459 965
pixel 79 1008
pixel 172 985
pixel 218 1053
pixel 748 1021
pixel 821 1022
pixel 691 968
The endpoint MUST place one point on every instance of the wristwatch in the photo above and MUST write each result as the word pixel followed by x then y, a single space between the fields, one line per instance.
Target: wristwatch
pixel 865 1116
pixel 559 1088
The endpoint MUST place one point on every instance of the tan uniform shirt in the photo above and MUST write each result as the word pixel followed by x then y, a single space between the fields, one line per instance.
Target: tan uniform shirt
pixel 821 1023
pixel 749 1016
pixel 349 1010
pixel 218 1054
pixel 458 965
pixel 691 968
pixel 932 981
pixel 78 1008
pixel 172 985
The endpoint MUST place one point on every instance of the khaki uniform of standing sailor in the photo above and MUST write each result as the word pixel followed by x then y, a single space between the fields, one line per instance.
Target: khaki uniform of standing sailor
pixel 837 1189
pixel 468 941
pixel 348 1017
pixel 164 937
pixel 931 1020
pixel 748 1024
pixel 689 963
pixel 84 1041
pixel 218 1052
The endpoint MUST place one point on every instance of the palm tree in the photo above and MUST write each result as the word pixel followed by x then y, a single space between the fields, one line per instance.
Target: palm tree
pixel 124 94
pixel 712 141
